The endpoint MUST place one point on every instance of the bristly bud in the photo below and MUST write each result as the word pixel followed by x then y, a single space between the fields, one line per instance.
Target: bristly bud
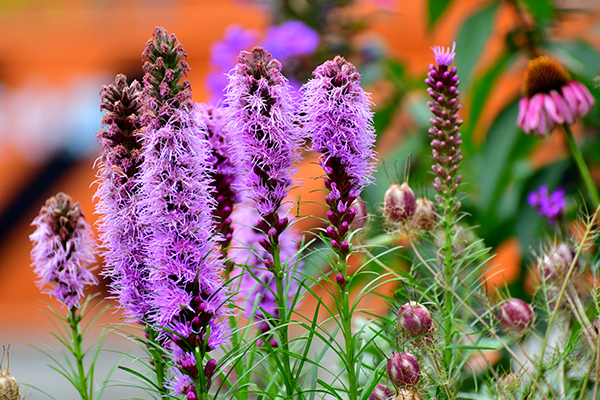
pixel 425 217
pixel 399 204
pixel 509 385
pixel 443 83
pixel 516 315
pixel 166 87
pixel 381 392
pixel 9 387
pixel 554 266
pixel 415 321
pixel 63 249
pixel 360 216
pixel 403 370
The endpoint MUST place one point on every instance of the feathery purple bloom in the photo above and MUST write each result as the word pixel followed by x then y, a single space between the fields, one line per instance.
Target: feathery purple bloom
pixel 118 194
pixel 63 250
pixel 185 266
pixel 549 205
pixel 268 142
pixel 223 170
pixel 338 116
pixel 443 83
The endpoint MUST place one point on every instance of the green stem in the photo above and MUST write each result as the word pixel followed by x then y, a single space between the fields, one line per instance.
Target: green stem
pixel 583 169
pixel 346 317
pixel 157 359
pixel 283 322
pixel 74 320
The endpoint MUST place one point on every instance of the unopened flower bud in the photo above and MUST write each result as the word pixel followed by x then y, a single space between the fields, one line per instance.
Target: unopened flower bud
pixel 361 216
pixel 340 280
pixel 399 203
pixel 554 266
pixel 9 387
pixel 415 320
pixel 381 393
pixel 403 370
pixel 516 315
pixel 508 385
pixel 209 369
pixel 425 217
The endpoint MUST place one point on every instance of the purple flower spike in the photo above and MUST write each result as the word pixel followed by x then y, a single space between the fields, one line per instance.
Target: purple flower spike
pixel 551 206
pixel 223 172
pixel 291 38
pixel 62 250
pixel 118 194
pixel 338 116
pixel 185 266
pixel 268 142
pixel 443 83
pixel 444 57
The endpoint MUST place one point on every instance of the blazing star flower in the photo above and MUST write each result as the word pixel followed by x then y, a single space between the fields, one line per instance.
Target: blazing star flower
pixel 223 172
pixel 443 83
pixel 118 194
pixel 63 250
pixel 291 38
pixel 188 298
pixel 551 206
pixel 338 115
pixel 268 142
pixel 551 98
pixel 258 291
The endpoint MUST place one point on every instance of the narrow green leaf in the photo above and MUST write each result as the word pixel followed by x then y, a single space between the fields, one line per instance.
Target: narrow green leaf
pixel 435 9
pixel 471 42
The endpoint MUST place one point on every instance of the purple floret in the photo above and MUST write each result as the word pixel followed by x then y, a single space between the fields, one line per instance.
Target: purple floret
pixel 62 250
pixel 551 206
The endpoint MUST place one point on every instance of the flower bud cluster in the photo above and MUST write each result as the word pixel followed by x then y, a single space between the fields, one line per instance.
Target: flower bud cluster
pixel 443 83
pixel 403 211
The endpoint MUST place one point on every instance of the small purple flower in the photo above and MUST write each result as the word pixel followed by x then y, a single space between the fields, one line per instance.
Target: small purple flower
pixel 118 195
pixel 338 116
pixel 443 83
pixel 291 38
pixel 551 206
pixel 63 250
pixel 268 142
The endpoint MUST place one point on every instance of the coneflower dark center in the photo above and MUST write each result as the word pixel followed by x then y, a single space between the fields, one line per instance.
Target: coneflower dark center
pixel 544 75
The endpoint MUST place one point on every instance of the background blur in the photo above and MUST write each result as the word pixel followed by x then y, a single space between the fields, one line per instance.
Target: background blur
pixel 56 54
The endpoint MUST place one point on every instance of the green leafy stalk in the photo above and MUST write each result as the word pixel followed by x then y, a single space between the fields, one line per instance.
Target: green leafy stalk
pixel 82 382
pixel 158 360
pixel 581 165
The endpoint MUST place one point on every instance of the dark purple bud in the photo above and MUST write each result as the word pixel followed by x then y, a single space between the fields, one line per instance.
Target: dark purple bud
pixel 343 228
pixel 399 203
pixel 415 320
pixel 340 280
pixel 425 217
pixel 269 264
pixel 335 244
pixel 209 369
pixel 273 235
pixel 333 233
pixel 381 393
pixel 282 224
pixel 516 315
pixel 345 247
pixel 273 343
pixel 403 370
pixel 265 244
pixel 263 225
pixel 332 217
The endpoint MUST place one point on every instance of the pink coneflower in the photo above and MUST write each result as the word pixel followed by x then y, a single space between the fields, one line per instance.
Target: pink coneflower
pixel 551 98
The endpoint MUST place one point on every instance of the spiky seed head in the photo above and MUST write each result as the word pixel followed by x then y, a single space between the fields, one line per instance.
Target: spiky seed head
pixel 399 203
pixel 403 370
pixel 516 315
pixel 381 392
pixel 425 217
